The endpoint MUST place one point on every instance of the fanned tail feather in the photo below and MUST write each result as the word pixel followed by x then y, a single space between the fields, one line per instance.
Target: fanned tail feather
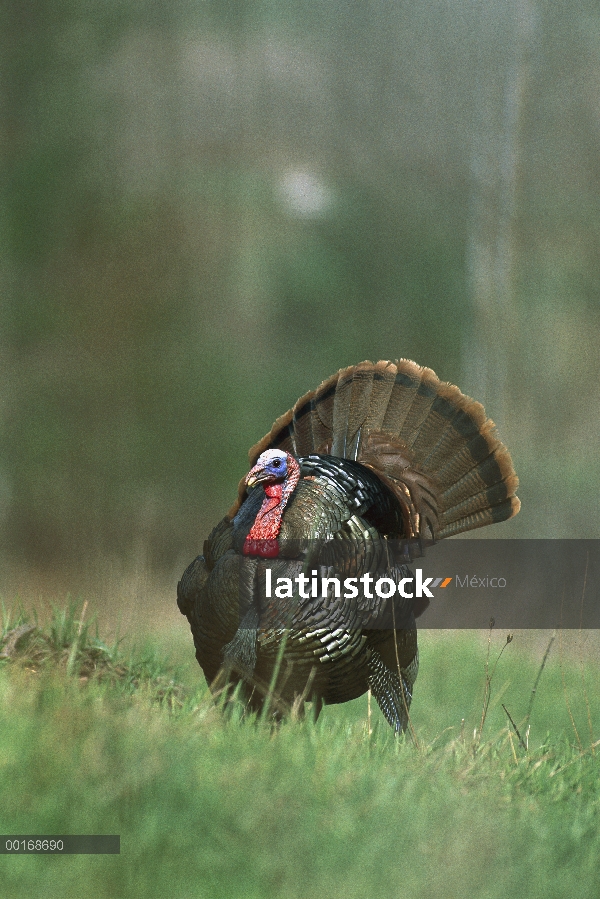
pixel 432 445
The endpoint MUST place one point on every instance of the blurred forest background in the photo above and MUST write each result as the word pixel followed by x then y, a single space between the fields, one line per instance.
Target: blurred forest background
pixel 208 207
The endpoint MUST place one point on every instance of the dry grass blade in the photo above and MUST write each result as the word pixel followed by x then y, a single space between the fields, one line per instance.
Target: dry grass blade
pixel 512 745
pixel 515 728
pixel 75 646
pixel 488 680
pixel 539 674
pixel 298 703
pixel 562 676
pixel 583 684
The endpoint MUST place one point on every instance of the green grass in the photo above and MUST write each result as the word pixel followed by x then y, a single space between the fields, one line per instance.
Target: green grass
pixel 95 738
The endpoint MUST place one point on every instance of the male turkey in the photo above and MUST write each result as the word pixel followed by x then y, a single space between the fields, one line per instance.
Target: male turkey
pixel 378 460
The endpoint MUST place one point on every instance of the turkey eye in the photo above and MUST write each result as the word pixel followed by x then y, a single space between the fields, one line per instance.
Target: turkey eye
pixel 276 463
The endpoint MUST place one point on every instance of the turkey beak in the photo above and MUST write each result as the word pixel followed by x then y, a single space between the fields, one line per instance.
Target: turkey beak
pixel 255 476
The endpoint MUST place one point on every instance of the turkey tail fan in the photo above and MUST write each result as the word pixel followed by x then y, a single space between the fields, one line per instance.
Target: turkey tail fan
pixel 428 442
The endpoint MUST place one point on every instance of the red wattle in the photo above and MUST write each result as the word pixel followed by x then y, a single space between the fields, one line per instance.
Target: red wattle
pixel 267 549
pixel 262 538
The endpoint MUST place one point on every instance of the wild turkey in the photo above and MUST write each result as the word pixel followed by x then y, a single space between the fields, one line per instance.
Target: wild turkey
pixel 379 459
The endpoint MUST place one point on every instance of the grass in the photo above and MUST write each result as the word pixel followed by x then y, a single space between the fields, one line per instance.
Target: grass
pixel 95 738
